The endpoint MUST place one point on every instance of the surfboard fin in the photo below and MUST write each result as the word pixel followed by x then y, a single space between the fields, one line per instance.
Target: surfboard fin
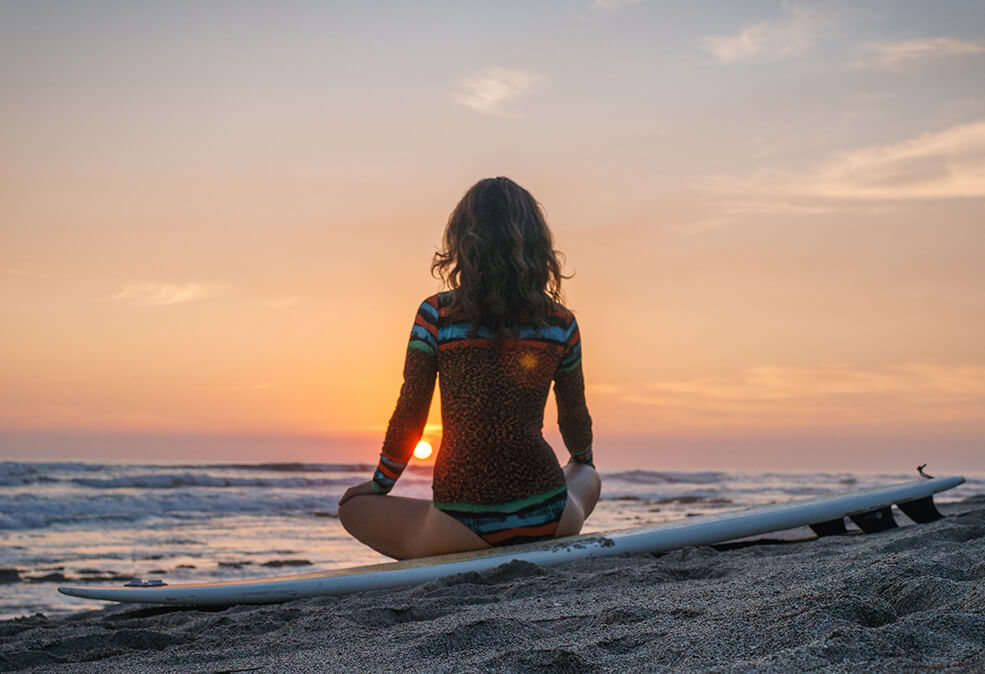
pixel 922 510
pixel 834 527
pixel 875 520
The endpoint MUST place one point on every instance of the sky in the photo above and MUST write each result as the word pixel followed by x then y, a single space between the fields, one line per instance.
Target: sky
pixel 217 220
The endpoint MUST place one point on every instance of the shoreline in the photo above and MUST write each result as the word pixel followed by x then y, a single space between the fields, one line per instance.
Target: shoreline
pixel 905 599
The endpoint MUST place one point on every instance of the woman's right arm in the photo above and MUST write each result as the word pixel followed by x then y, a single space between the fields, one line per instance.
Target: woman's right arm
pixel 569 390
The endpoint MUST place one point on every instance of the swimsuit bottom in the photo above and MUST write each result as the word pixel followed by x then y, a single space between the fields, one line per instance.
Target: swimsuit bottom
pixel 534 518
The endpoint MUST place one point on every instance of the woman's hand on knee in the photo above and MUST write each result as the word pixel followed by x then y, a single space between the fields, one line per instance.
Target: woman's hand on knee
pixel 362 488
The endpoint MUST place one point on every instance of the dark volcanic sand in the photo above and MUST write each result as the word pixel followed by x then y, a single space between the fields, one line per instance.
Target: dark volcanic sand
pixel 912 599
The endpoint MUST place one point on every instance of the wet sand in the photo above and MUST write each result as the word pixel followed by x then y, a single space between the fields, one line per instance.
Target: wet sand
pixel 910 599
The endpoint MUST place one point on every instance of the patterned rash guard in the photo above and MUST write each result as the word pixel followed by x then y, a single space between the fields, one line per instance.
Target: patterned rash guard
pixel 494 469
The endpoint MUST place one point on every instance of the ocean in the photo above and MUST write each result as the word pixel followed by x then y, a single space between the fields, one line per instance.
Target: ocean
pixel 89 523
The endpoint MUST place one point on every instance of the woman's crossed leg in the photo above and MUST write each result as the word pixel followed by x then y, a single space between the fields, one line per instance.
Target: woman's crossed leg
pixel 407 528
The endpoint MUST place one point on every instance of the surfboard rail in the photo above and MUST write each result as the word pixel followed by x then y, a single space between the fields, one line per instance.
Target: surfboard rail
pixel 706 530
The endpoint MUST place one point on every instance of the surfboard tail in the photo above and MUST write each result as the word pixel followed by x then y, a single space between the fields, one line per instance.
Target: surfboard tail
pixel 921 511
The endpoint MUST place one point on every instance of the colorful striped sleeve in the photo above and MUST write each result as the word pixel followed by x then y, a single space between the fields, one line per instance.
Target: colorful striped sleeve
pixel 573 418
pixel 424 334
pixel 387 472
pixel 584 456
pixel 407 422
pixel 571 358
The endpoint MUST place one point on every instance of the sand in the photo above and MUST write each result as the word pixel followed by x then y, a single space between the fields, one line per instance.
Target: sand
pixel 910 599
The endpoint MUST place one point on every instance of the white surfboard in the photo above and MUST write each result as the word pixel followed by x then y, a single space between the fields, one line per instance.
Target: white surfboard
pixel 869 508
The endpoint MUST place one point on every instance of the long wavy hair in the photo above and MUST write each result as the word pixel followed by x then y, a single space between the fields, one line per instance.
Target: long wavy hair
pixel 498 257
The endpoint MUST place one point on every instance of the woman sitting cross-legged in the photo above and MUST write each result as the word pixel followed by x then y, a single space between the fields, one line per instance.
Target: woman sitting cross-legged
pixel 498 339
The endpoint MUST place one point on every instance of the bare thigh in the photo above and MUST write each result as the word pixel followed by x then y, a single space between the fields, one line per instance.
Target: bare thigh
pixel 584 487
pixel 405 528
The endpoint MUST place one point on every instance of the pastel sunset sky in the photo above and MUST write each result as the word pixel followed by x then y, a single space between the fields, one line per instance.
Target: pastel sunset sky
pixel 217 219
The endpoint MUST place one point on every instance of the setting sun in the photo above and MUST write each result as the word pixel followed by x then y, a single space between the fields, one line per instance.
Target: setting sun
pixel 423 450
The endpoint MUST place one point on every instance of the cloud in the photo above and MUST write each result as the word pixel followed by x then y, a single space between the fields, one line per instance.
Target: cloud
pixel 774 207
pixel 614 4
pixel 939 165
pixel 732 212
pixel 152 294
pixel 836 394
pixel 765 41
pixel 919 50
pixel 490 90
